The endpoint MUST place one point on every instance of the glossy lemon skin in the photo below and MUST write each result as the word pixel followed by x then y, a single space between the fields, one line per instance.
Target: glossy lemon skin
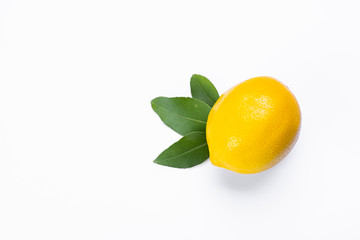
pixel 253 126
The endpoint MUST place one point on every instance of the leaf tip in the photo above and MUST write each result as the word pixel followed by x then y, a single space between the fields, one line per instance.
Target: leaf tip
pixel 154 101
pixel 195 77
pixel 157 161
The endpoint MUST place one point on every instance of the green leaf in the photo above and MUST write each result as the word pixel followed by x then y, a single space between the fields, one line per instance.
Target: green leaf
pixel 181 114
pixel 189 151
pixel 203 89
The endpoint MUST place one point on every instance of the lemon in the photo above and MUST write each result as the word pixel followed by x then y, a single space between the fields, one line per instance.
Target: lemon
pixel 253 126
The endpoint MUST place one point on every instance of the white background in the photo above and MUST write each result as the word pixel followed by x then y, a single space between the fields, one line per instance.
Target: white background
pixel 78 135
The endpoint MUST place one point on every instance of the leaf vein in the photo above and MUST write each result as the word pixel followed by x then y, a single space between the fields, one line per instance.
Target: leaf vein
pixel 200 86
pixel 192 119
pixel 193 149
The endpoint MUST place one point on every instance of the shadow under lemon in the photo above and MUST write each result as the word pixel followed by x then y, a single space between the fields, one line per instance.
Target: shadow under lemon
pixel 248 182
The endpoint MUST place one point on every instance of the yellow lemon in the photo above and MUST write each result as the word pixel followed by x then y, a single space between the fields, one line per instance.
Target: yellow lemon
pixel 253 126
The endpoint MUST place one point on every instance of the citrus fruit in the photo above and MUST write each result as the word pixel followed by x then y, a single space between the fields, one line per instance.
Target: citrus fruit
pixel 253 126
